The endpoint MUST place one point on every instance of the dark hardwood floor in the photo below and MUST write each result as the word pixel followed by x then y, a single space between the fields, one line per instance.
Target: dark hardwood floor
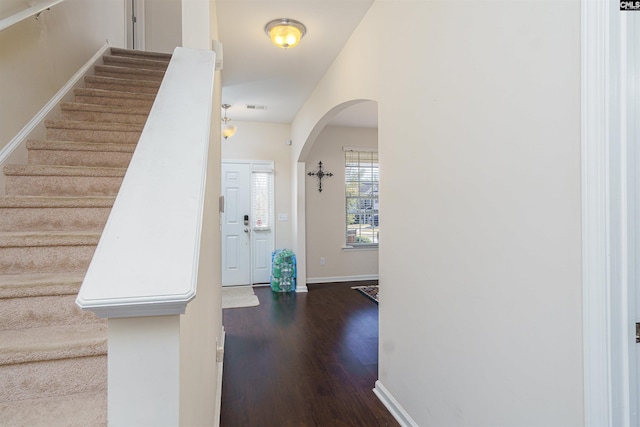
pixel 303 360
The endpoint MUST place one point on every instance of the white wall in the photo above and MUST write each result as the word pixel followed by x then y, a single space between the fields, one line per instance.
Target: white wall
pixel 38 56
pixel 162 25
pixel 197 28
pixel 267 141
pixel 479 142
pixel 201 330
pixel 325 218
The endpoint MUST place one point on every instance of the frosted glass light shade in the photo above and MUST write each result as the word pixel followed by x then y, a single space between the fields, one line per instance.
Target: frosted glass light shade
pixel 228 130
pixel 285 33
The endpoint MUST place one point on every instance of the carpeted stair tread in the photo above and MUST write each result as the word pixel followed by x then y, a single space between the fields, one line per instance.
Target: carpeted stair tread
pixel 44 284
pixel 114 98
pixel 29 213
pixel 49 378
pixel 97 108
pixel 42 311
pixel 118 51
pixel 135 62
pixel 53 343
pixel 22 239
pixel 105 113
pixel 76 410
pixel 55 202
pixel 80 154
pixel 53 356
pixel 129 73
pixel 84 155
pixel 93 126
pixel 102 93
pixel 63 181
pixel 47 170
pixel 93 131
pixel 80 146
pixel 123 85
pixel 30 252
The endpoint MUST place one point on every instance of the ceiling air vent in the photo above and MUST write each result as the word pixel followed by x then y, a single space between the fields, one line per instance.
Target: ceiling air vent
pixel 256 107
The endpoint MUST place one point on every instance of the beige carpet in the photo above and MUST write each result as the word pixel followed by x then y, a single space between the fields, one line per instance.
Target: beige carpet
pixel 238 296
pixel 53 356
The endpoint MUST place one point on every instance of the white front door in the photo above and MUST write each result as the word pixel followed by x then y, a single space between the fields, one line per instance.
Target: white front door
pixel 236 234
pixel 247 222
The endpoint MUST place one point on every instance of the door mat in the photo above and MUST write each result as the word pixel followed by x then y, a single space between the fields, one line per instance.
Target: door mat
pixel 238 296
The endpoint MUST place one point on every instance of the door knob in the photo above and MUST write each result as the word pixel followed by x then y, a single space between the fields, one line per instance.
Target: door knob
pixel 246 230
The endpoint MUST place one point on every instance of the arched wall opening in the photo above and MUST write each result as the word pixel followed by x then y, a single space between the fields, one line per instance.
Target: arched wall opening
pixel 320 226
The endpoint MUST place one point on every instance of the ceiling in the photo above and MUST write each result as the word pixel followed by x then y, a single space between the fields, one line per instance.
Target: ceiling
pixel 257 73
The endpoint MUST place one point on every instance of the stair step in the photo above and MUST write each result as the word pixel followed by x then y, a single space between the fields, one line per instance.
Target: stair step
pixel 55 202
pixel 53 356
pixel 76 111
pixel 25 213
pixel 41 311
pixel 37 285
pixel 121 85
pixel 135 62
pixel 109 97
pixel 53 343
pixel 53 361
pixel 46 170
pixel 117 51
pixel 39 239
pixel 73 153
pixel 81 131
pixel 46 252
pixel 75 410
pixel 66 181
pixel 49 378
pixel 129 73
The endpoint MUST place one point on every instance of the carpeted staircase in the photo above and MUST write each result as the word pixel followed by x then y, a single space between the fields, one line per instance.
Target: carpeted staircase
pixel 53 356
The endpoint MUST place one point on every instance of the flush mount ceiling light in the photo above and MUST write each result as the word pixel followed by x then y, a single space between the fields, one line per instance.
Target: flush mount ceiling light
pixel 228 129
pixel 284 32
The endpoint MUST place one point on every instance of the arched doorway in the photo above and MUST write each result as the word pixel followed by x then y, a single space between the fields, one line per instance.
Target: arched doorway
pixel 324 254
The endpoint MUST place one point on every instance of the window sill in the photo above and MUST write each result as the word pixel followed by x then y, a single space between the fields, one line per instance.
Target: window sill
pixel 360 248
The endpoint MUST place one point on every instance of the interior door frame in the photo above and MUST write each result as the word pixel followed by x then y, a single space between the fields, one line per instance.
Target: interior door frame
pixel 610 377
pixel 134 34
pixel 264 163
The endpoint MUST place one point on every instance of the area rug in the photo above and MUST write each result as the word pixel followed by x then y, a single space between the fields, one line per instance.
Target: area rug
pixel 238 296
pixel 369 291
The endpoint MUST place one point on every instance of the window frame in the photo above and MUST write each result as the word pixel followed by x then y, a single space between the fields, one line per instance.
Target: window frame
pixel 268 213
pixel 367 163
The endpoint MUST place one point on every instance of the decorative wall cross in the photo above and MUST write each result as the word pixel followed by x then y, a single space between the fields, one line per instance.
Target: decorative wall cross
pixel 320 173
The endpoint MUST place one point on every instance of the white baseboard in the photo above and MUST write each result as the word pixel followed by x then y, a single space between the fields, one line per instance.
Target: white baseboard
pixel 342 278
pixel 393 406
pixel 39 118
pixel 219 384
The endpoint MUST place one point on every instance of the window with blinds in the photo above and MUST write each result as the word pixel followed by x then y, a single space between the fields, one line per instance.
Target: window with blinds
pixel 361 194
pixel 262 197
